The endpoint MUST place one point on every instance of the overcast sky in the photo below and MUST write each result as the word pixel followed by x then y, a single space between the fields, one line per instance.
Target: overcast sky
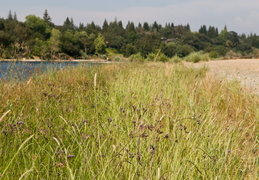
pixel 241 16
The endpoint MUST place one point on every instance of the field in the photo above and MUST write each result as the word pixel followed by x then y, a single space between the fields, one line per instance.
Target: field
pixel 128 121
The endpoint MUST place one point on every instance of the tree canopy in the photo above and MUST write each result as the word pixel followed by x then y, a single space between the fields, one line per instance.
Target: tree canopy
pixel 40 37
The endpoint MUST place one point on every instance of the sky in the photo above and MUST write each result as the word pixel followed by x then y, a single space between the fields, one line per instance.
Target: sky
pixel 241 16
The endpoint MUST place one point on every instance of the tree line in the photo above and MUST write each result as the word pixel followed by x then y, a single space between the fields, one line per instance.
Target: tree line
pixel 39 37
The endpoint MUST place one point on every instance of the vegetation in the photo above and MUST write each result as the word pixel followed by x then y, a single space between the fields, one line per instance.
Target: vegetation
pixel 128 121
pixel 40 38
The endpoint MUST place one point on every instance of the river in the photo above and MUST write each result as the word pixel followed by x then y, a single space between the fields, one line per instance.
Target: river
pixel 21 70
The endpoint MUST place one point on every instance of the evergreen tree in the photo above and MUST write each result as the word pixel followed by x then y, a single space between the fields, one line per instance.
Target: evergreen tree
pixel 188 27
pixel 68 24
pixel 203 30
pixel 139 25
pixel 81 26
pixel 15 17
pixel 146 26
pixel 10 15
pixel 105 26
pixel 155 27
pixel 46 16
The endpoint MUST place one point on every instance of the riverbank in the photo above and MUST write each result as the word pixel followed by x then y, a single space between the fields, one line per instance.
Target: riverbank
pixel 246 71
pixel 74 60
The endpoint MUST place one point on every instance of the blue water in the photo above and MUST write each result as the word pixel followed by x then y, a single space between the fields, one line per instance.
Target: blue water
pixel 19 70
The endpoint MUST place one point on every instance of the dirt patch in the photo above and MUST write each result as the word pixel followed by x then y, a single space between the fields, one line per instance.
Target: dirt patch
pixel 246 71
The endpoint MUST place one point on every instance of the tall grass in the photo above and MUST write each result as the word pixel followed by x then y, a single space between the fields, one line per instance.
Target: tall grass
pixel 128 121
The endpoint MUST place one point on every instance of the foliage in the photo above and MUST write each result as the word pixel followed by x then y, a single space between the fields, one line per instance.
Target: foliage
pixel 17 39
pixel 136 57
pixel 197 57
pixel 99 44
pixel 175 59
pixel 214 55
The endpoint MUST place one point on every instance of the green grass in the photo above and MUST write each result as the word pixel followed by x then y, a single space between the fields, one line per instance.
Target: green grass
pixel 128 121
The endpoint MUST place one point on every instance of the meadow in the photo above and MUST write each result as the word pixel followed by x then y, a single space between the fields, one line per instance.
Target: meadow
pixel 128 121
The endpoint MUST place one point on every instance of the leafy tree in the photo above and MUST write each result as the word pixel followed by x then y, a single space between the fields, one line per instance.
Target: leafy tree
pixel 170 49
pixel 100 45
pixel 166 32
pixel 39 27
pixel 148 44
pixel 183 50
pixel 69 44
pixel 54 42
pixel 115 35
pixel 255 41
pixel 233 37
pixel 196 40
pixel 128 49
pixel 39 48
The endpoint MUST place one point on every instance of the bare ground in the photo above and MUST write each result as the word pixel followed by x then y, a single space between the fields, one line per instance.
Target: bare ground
pixel 246 71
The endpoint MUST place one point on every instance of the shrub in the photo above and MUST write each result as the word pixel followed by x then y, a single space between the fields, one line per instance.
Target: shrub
pixel 157 57
pixel 162 57
pixel 175 59
pixel 197 57
pixel 151 57
pixel 214 55
pixel 183 50
pixel 136 57
pixel 169 49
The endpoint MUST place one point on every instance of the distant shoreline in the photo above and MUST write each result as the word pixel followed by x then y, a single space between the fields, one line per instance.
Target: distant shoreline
pixel 40 60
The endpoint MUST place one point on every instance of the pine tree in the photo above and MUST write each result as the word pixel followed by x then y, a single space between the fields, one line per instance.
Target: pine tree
pixel 188 27
pixel 46 16
pixel 15 17
pixel 10 15
pixel 105 26
pixel 146 26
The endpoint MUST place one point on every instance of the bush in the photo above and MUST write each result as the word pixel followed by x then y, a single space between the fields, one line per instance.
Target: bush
pixel 197 57
pixel 175 59
pixel 151 57
pixel 128 50
pixel 157 57
pixel 136 57
pixel 233 55
pixel 183 50
pixel 214 55
pixel 170 49
pixel 162 57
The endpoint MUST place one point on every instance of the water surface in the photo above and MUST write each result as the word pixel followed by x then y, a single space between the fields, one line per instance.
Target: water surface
pixel 22 70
